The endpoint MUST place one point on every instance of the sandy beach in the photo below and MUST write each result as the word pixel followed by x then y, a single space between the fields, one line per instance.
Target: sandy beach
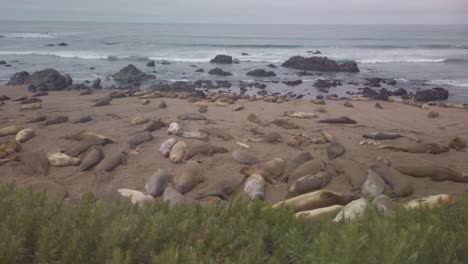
pixel 114 121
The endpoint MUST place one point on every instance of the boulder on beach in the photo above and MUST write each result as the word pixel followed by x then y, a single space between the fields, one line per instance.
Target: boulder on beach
pixel 18 78
pixel 131 74
pixel 219 72
pixel 261 73
pixel 151 64
pixel 224 59
pixel 434 94
pixel 49 79
pixel 320 64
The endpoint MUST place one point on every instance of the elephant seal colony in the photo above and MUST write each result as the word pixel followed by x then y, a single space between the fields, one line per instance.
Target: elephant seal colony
pixel 178 155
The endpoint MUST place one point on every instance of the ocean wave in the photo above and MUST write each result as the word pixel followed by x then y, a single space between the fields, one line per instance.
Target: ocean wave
pixel 264 46
pixel 461 83
pixel 455 60
pixel 29 35
pixel 401 60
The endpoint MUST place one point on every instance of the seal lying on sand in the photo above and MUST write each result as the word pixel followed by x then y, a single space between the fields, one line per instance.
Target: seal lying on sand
pixel 373 186
pixel 382 136
pixel 136 197
pixel 254 187
pixel 306 168
pixel 8 148
pixel 399 184
pixel 300 114
pixel 338 120
pixel 354 172
pixel 173 197
pixel 154 125
pixel 55 121
pixel 37 118
pixel 85 144
pixel 112 161
pixel 254 119
pixel 315 200
pixel 33 160
pixel 245 157
pixel 157 183
pixel 352 211
pixel 270 137
pixel 178 152
pixel 318 214
pixel 103 101
pixel 433 201
pixel 139 120
pixel 166 147
pixel 294 162
pixel 309 183
pixel 58 159
pixel 188 177
pixel 212 131
pixel 140 138
pixel 191 116
pixel 335 150
pixel 203 148
pixel 270 170
pixel 418 148
pixel 285 124
pixel 436 173
pixel 9 130
pixel 25 135
pixel 222 189
pixel 92 158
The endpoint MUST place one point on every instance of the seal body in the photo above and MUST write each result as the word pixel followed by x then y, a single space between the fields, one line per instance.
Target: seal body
pixel 166 147
pixel 320 213
pixel 203 148
pixel 85 144
pixel 335 150
pixel 191 116
pixel 193 135
pixel 112 161
pixel 382 136
pixel 245 157
pixel 140 138
pixel 188 177
pixel 9 130
pixel 37 118
pixel 285 124
pixel 140 120
pixel 33 106
pixel 315 200
pixel 154 125
pixel 383 204
pixel 36 161
pixel 435 172
pixel 136 197
pixel 269 170
pixel 173 197
pixel 59 159
pixel 92 158
pixel 309 183
pixel 310 167
pixel 255 187
pixel 157 183
pixel 432 201
pixel 300 114
pixel 338 120
pixel 294 162
pixel 56 120
pixel 354 172
pixel 399 184
pixel 8 148
pixel 173 129
pixel 352 211
pixel 178 152
pixel 373 186
pixel 25 135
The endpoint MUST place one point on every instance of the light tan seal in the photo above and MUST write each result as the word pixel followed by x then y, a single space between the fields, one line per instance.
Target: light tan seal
pixel 315 200
pixel 433 201
pixel 319 214
pixel 270 170
pixel 136 197
pixel 166 147
pixel 254 187
pixel 204 149
pixel 178 152
pixel 8 148
pixel 188 177
pixel 59 159
pixel 352 211
pixel 9 130
pixel 25 135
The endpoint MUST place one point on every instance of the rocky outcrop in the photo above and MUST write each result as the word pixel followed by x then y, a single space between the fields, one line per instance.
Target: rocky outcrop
pixel 261 73
pixel 2 62
pixel 131 74
pixel 96 84
pixel 223 59
pixel 219 72
pixel 271 65
pixel 151 64
pixel 320 64
pixel 68 80
pixel 434 94
pixel 293 83
pixel 18 78
pixel 48 79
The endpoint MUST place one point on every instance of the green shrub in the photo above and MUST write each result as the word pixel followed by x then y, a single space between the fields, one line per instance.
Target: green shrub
pixel 39 229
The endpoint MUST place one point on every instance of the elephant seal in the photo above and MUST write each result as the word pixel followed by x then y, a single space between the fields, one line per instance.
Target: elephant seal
pixel 85 144
pixel 136 197
pixel 25 135
pixel 166 147
pixel 338 120
pixel 354 172
pixel 203 148
pixel 112 161
pixel 382 136
pixel 254 187
pixel 432 201
pixel 399 184
pixel 383 204
pixel 216 132
pixel 295 161
pixel 457 143
pixel 55 121
pixel 300 114
pixel 254 119
pixel 9 130
pixel 315 200
pixel 435 172
pixel 81 119
pixel 373 186
pixel 92 158
pixel 140 138
pixel 173 129
pixel 188 177
pixel 320 213
pixel 270 137
pixel 245 157
pixel 8 148
pixel 335 150
pixel 193 135
pixel 284 124
pixel 221 189
pixel 103 101
pixel 82 135
pixel 309 167
pixel 31 100
pixel 33 106
pixel 191 116
pixel 36 161
pixel 139 120
pixel 157 183
pixel 270 170
pixel 37 118
pixel 178 152
pixel 59 159
pixel 352 211
pixel 154 125
pixel 309 183
pixel 418 148
pixel 173 197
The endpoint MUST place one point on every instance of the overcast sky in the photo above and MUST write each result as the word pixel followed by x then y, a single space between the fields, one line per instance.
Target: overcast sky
pixel 241 11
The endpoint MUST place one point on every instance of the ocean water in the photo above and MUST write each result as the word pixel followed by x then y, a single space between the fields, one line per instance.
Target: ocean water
pixel 418 56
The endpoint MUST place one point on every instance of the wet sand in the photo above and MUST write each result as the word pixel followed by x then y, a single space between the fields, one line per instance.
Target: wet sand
pixel 114 121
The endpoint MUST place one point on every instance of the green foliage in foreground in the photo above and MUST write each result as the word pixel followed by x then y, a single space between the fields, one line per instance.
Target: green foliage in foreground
pixel 37 229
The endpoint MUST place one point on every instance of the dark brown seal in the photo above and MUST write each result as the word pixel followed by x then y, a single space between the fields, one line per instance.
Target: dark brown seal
pixel 435 172
pixel 222 189
pixel 399 184
pixel 294 162
pixel 140 138
pixel 92 158
pixel 338 120
pixel 335 150
pixel 203 148
pixel 85 144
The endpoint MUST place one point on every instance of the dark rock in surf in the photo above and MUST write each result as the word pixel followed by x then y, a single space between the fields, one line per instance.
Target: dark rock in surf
pixel 131 74
pixel 320 64
pixel 261 73
pixel 219 72
pixel 434 94
pixel 151 64
pixel 48 79
pixel 321 83
pixel 96 84
pixel 18 78
pixel 293 83
pixel 222 59
pixel 62 44
pixel 272 66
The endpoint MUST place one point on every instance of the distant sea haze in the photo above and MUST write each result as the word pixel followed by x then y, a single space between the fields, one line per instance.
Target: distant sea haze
pixel 415 54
